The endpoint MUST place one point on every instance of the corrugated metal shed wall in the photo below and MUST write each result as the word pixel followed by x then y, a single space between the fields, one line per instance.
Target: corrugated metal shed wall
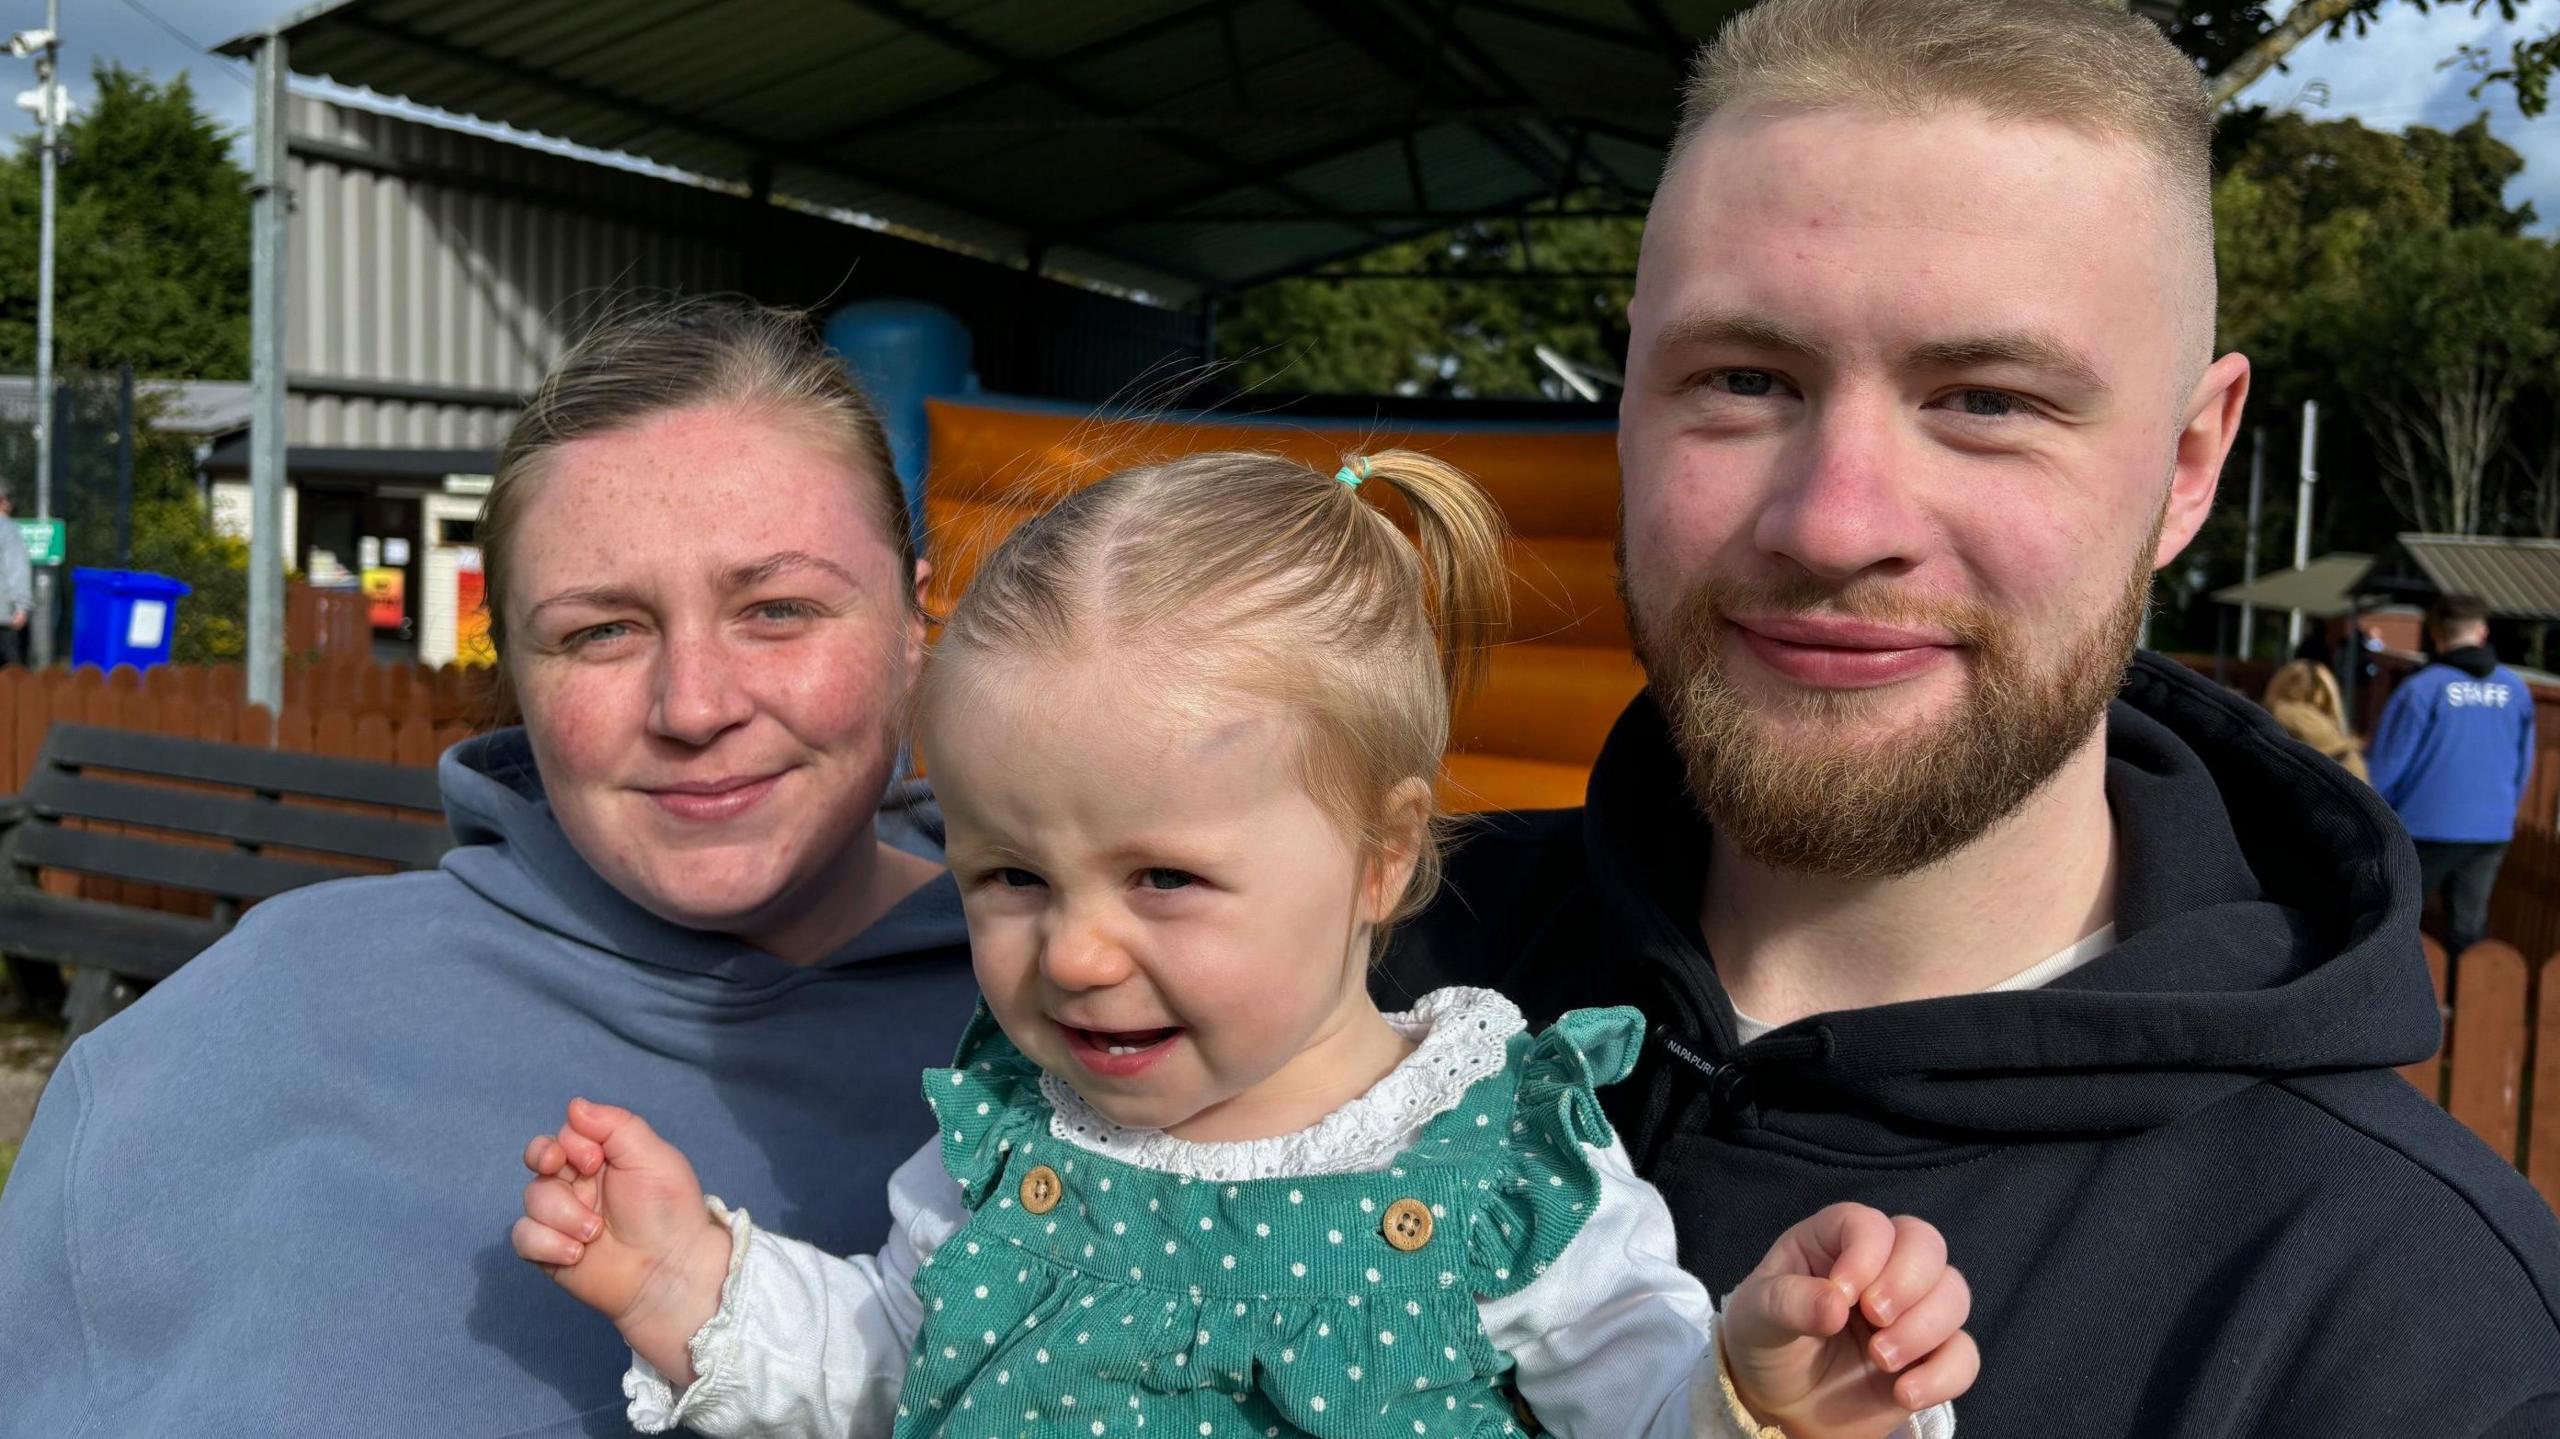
pixel 433 261
pixel 436 274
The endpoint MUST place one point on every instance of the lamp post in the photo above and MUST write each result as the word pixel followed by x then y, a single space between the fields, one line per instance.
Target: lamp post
pixel 51 107
pixel 2302 512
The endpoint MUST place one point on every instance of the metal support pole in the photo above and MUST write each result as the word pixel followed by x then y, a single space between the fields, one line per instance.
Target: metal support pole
pixel 266 383
pixel 124 468
pixel 2249 544
pixel 48 88
pixel 2302 512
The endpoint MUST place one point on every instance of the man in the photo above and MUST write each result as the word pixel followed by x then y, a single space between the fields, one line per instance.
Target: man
pixel 17 584
pixel 1920 391
pixel 2453 754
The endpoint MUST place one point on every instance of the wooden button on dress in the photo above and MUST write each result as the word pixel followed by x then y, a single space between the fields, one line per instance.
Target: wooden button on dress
pixel 1408 1224
pixel 1041 1189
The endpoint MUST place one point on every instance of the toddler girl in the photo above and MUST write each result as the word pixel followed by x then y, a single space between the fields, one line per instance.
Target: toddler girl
pixel 1188 1178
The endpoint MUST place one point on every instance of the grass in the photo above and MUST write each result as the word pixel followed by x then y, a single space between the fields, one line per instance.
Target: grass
pixel 8 1156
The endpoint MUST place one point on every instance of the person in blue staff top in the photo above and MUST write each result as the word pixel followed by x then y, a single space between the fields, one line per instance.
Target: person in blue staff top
pixel 677 885
pixel 2453 754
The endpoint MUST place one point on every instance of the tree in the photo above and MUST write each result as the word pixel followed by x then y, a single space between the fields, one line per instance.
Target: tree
pixel 2298 208
pixel 152 271
pixel 1466 323
pixel 151 249
pixel 2451 326
pixel 2236 44
pixel 2386 274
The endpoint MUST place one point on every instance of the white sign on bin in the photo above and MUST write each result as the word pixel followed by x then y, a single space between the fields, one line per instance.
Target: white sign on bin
pixel 150 621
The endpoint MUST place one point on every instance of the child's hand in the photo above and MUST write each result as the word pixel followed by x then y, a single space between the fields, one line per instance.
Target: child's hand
pixel 1852 1323
pixel 616 1217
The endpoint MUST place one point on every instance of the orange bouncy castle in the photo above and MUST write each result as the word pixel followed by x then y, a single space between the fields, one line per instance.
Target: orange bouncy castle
pixel 1527 739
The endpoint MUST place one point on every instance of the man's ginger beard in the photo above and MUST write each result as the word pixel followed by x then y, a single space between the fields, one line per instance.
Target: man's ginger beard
pixel 1840 797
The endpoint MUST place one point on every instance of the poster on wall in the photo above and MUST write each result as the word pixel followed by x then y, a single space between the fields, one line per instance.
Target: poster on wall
pixel 471 610
pixel 387 593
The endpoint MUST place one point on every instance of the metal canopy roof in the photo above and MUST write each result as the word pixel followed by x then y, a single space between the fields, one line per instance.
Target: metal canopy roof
pixel 2324 588
pixel 2517 579
pixel 1175 146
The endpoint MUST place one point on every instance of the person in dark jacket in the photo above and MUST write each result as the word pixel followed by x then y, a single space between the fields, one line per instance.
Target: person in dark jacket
pixel 2453 754
pixel 271 1198
pixel 1938 897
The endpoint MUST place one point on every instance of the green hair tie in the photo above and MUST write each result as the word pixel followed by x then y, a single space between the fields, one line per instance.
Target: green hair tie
pixel 1352 474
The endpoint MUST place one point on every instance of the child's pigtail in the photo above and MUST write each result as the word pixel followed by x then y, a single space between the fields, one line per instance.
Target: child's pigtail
pixel 1461 535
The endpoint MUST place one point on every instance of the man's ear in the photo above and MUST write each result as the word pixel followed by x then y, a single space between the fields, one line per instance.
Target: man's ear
pixel 1404 833
pixel 2212 424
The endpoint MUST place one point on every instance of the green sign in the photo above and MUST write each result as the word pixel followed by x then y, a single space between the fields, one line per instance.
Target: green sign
pixel 45 539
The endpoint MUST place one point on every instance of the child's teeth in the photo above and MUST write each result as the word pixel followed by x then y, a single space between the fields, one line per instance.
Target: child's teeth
pixel 1124 1049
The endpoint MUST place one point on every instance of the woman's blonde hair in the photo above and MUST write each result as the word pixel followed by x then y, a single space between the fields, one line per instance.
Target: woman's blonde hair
pixel 2304 682
pixel 647 359
pixel 2304 698
pixel 1256 577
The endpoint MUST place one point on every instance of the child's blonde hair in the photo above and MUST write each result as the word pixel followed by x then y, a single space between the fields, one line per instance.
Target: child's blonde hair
pixel 1254 576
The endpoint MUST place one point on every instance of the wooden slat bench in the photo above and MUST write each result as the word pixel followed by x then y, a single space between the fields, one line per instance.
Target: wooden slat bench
pixel 222 826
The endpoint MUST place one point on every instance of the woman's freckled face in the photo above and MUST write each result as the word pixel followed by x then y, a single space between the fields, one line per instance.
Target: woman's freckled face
pixel 712 642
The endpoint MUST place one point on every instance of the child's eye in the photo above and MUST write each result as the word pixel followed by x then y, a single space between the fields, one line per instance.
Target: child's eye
pixel 1011 878
pixel 1161 878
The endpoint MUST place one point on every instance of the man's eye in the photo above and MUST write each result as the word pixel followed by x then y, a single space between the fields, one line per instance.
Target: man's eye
pixel 1161 878
pixel 1748 384
pixel 1990 404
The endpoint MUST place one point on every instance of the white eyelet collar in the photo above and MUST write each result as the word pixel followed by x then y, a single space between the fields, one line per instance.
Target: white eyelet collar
pixel 1460 1036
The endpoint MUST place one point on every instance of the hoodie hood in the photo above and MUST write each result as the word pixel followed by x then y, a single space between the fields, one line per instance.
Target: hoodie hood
pixel 2267 925
pixel 512 851
pixel 2477 661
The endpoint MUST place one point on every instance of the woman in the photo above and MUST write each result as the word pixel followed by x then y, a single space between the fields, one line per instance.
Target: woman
pixel 2304 698
pixel 677 888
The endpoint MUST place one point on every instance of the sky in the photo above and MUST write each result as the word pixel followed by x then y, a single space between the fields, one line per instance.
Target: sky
pixel 2390 79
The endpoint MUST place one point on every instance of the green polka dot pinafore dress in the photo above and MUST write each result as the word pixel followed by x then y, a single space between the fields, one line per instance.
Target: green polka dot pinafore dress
pixel 1092 1297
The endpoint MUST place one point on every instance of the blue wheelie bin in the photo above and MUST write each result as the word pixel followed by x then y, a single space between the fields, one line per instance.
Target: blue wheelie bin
pixel 123 617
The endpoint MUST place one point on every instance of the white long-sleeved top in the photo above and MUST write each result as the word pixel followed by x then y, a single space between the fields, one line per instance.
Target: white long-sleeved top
pixel 1615 1339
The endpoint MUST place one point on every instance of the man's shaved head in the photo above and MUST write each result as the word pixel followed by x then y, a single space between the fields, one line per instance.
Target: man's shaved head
pixel 2089 66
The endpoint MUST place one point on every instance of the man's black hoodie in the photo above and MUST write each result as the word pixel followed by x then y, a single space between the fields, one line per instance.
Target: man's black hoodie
pixel 2190 1193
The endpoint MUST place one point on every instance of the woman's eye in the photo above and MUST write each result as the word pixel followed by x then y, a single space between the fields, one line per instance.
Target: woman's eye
pixel 1161 878
pixel 784 610
pixel 595 635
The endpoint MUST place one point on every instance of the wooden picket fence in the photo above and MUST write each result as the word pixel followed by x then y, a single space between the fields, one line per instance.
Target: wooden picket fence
pixel 2499 1069
pixel 398 714
pixel 329 625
